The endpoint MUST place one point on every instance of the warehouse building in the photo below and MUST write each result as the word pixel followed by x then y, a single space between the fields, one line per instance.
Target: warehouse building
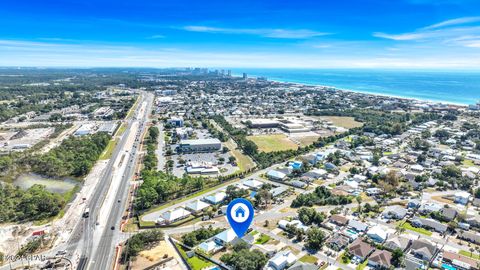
pixel 262 123
pixel 200 145
pixel 85 129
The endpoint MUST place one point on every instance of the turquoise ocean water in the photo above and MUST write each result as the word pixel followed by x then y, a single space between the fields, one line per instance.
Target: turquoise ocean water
pixel 460 87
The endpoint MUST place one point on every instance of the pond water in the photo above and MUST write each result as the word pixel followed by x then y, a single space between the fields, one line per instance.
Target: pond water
pixel 25 181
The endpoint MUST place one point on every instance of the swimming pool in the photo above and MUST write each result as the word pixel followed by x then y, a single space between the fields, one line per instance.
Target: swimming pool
pixel 448 267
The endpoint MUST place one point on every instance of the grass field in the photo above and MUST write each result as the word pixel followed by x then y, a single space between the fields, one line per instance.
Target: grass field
pixel 273 142
pixel 132 109
pixel 362 265
pixel 262 239
pixel 343 121
pixel 309 259
pixel 469 254
pixel 195 262
pixel 409 226
pixel 107 153
pixel 121 129
pixel 243 161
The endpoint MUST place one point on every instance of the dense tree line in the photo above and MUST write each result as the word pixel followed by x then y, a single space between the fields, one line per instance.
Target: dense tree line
pixel 35 203
pixel 75 156
pixel 141 241
pixel 150 159
pixel 159 187
pixel 321 196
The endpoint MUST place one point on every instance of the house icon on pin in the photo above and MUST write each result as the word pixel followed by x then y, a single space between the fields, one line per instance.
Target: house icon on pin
pixel 240 212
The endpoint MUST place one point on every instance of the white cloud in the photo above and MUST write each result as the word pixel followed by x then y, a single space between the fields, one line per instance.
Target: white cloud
pixel 264 32
pixel 443 32
pixel 457 21
pixel 156 37
pixel 26 53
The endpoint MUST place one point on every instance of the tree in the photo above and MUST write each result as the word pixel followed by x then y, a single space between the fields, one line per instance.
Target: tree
pixel 245 259
pixel 397 255
pixel 315 238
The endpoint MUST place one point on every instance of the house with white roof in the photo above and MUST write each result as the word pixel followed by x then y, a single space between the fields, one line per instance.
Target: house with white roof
pixel 173 216
pixel 276 175
pixel 196 206
pixel 209 246
pixel 378 234
pixel 253 184
pixel 462 197
pixel 216 198
pixel 225 237
pixel 282 260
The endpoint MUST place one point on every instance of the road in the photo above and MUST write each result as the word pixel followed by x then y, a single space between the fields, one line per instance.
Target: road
pixel 97 253
pixel 103 257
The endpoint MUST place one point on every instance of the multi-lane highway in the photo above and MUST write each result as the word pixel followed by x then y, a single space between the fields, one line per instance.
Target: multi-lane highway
pixel 95 237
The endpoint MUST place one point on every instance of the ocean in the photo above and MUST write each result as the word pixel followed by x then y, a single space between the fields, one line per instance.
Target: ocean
pixel 459 87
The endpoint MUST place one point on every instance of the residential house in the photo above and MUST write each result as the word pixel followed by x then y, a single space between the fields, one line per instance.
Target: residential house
pixel 423 249
pixel 303 266
pixel 282 260
pixel 448 213
pixel 338 220
pixel 378 234
pixel 394 212
pixel 429 224
pixel 469 236
pixel 216 198
pixel 462 197
pixel 360 250
pixel 253 184
pixel 460 262
pixel 173 216
pixel 380 259
pixel 276 175
pixel 225 237
pixel 397 242
pixel 278 191
pixel 196 206
pixel 357 225
pixel 338 242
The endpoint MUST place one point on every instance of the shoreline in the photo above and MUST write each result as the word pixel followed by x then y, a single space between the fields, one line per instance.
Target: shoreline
pixel 443 102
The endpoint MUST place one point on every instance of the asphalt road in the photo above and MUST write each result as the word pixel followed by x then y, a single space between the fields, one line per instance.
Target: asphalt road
pixel 103 257
pixel 82 237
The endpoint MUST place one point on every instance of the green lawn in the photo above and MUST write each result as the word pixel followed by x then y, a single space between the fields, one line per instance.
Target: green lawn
pixel 469 254
pixel 121 129
pixel 409 226
pixel 132 109
pixel 309 259
pixel 468 162
pixel 196 263
pixel 362 265
pixel 341 259
pixel 107 153
pixel 262 239
pixel 273 142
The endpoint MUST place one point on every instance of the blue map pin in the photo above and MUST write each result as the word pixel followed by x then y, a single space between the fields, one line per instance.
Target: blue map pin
pixel 240 215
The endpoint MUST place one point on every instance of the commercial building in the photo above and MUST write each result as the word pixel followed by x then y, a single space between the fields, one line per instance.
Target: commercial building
pixel 262 123
pixel 199 145
pixel 85 129
pixel 108 128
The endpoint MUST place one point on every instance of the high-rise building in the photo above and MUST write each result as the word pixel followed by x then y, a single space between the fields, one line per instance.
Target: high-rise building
pixel 244 76
pixel 229 73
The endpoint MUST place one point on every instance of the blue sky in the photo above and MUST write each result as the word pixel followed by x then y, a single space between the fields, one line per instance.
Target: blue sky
pixel 281 33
